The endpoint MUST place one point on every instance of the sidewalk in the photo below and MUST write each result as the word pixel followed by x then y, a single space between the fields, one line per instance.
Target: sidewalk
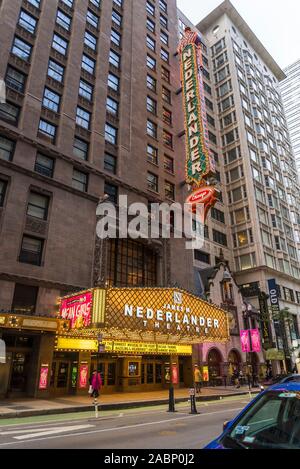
pixel 32 407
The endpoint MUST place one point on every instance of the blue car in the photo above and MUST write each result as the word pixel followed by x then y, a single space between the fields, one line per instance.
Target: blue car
pixel 270 421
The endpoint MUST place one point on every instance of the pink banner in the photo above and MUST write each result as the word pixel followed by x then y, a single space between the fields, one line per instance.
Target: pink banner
pixel 245 341
pixel 255 339
pixel 78 310
pixel 43 377
pixel 83 376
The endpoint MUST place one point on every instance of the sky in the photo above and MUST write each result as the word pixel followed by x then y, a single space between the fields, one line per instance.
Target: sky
pixel 276 23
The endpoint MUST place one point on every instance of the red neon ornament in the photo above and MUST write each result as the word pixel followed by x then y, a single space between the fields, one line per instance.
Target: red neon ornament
pixel 206 195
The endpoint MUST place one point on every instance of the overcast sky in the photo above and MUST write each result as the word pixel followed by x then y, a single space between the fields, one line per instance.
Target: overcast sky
pixel 275 22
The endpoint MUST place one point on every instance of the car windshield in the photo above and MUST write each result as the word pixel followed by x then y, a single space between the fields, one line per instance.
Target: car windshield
pixel 273 421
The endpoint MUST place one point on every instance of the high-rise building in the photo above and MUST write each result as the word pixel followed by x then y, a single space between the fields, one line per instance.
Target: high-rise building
pixel 91 109
pixel 259 218
pixel 291 101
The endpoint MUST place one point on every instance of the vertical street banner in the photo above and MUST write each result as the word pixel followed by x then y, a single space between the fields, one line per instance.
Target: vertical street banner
pixel 255 340
pixel 265 321
pixel 275 312
pixel 245 341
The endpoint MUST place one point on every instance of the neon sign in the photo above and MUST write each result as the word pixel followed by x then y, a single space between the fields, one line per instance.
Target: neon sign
pixel 199 162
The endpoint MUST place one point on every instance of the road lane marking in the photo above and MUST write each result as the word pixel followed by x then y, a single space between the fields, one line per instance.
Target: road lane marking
pixel 146 424
pixel 42 432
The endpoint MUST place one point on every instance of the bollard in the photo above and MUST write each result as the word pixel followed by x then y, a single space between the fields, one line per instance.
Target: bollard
pixel 193 401
pixel 171 400
pixel 96 407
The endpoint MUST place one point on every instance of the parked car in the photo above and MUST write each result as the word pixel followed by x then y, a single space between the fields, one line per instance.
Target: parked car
pixel 283 378
pixel 271 420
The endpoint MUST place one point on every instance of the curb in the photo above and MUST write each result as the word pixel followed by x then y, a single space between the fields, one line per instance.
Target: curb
pixel 117 406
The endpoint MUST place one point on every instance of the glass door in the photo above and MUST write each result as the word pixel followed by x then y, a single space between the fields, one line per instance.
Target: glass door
pixel 19 372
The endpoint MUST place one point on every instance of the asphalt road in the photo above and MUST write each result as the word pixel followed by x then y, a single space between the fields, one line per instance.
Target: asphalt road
pixel 145 428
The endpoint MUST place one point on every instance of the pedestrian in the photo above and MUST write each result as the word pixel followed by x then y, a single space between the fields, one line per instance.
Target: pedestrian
pixel 236 377
pixel 241 377
pixel 95 384
pixel 197 379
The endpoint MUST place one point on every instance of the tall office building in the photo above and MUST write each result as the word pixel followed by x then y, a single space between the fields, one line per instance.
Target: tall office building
pixel 91 109
pixel 259 183
pixel 291 100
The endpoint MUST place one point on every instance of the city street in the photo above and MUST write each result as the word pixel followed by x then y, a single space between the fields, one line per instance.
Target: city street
pixel 129 429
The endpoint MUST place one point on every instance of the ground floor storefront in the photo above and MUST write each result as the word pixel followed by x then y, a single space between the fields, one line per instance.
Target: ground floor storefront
pixel 70 372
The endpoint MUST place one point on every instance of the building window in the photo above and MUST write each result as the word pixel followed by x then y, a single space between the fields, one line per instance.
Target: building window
pixel 25 298
pixel 111 134
pixel 151 83
pixel 60 44
pixel 112 106
pixel 116 18
pixel 150 25
pixel 47 129
pixel 202 257
pixel 21 49
pixel 69 3
pixel 167 117
pixel 15 79
pixel 80 149
pixel 165 74
pixel 169 190
pixel 169 164
pixel 51 100
pixel 113 82
pixel 112 192
pixel 218 215
pixel 114 59
pixel 38 206
pixel 164 38
pixel 151 129
pixel 152 182
pixel 151 105
pixel 35 3
pixel 151 44
pixel 27 22
pixel 3 186
pixel 86 90
pixel 110 163
pixel 167 139
pixel 44 165
pixel 164 55
pixel 151 62
pixel 163 6
pixel 152 154
pixel 79 180
pixel 9 113
pixel 83 118
pixel 31 250
pixel 220 238
pixel 56 71
pixel 90 40
pixel 115 37
pixel 166 95
pixel 7 148
pixel 131 264
pixel 88 64
pixel 92 19
pixel 163 21
pixel 63 20
pixel 150 8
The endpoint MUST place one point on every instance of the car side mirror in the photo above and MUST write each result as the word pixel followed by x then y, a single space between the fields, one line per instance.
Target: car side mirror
pixel 226 424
